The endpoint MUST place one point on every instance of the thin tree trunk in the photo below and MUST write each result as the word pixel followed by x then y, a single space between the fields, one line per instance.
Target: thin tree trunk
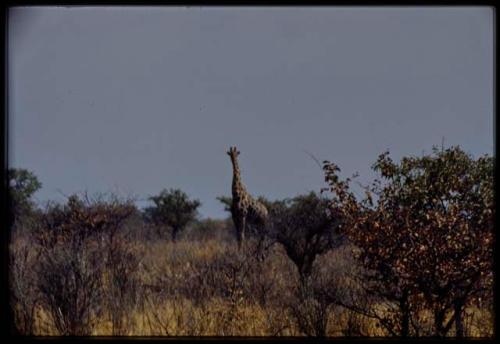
pixel 438 322
pixel 405 315
pixel 459 326
pixel 175 230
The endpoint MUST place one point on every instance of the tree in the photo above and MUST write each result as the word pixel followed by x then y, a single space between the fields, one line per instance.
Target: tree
pixel 174 209
pixel 81 255
pixel 227 201
pixel 428 239
pixel 304 227
pixel 23 184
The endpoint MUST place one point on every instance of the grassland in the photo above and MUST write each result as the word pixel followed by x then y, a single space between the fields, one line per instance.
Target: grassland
pixel 207 288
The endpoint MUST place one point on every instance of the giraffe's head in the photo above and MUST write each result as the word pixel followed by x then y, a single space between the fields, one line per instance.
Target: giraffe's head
pixel 233 153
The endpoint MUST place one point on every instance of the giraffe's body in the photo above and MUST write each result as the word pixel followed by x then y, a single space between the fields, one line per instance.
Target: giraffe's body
pixel 245 209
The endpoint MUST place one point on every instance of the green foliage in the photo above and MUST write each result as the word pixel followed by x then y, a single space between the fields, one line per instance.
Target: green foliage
pixel 304 227
pixel 23 184
pixel 227 201
pixel 172 208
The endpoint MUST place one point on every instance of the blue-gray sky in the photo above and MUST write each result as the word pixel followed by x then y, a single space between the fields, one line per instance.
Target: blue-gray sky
pixel 133 100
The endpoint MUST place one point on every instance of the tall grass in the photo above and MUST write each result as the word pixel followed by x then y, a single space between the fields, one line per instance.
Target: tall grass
pixel 204 288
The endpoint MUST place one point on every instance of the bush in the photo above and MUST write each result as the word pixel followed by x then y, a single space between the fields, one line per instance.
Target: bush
pixel 77 245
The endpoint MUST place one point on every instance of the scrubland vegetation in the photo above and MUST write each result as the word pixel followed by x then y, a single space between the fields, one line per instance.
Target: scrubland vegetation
pixel 412 257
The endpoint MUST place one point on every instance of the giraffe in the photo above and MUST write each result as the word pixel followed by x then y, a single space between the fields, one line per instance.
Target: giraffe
pixel 245 210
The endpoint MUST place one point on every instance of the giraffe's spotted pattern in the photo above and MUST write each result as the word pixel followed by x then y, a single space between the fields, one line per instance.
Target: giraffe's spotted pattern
pixel 245 209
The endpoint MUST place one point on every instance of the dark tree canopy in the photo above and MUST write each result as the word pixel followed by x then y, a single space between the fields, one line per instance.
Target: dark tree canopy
pixel 174 209
pixel 23 184
pixel 305 228
pixel 227 201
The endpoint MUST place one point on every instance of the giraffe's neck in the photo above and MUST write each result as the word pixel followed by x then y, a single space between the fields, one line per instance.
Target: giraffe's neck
pixel 238 188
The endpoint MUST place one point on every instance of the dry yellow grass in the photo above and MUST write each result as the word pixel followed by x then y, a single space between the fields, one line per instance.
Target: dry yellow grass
pixel 167 312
